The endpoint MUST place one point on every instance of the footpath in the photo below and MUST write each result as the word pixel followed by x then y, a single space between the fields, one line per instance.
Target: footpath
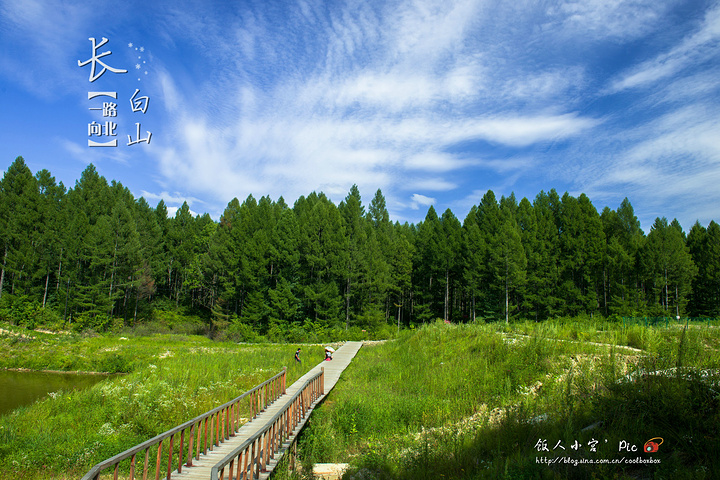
pixel 333 369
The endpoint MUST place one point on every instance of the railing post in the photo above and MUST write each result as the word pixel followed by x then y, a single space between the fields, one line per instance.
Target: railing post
pixel 278 433
pixel 253 460
pixel 263 451
pixel 284 380
pixel 226 425
pixel 190 446
pixel 132 467
pixel 287 421
pixel 147 460
pixel 235 418
pixel 239 462
pixel 170 456
pixel 273 439
pixel 268 447
pixel 180 452
pixel 198 434
pixel 245 462
pixel 159 460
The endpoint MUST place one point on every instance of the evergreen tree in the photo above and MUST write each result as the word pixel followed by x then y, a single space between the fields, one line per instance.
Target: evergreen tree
pixel 379 253
pixel 356 267
pixel 150 253
pixel 323 248
pixel 50 221
pixel 474 251
pixel 582 243
pixel 704 247
pixel 507 256
pixel 400 263
pixel 668 268
pixel 540 235
pixel 428 295
pixel 448 257
pixel 19 227
pixel 487 216
pixel 620 273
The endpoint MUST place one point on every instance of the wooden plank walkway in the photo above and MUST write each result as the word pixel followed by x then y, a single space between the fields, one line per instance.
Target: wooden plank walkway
pixel 333 369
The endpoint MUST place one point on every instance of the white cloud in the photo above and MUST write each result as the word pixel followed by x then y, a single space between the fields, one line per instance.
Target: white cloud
pixel 544 85
pixel 171 211
pixel 671 166
pixel 380 107
pixel 86 155
pixel 395 96
pixel 289 152
pixel 694 49
pixel 431 184
pixel 430 161
pixel 418 200
pixel 619 19
pixel 170 198
pixel 47 31
pixel 524 130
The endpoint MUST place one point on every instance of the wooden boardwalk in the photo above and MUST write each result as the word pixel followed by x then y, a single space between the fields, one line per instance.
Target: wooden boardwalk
pixel 201 468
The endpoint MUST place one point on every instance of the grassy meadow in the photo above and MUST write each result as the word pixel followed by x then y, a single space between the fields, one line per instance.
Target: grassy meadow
pixel 485 401
pixel 441 401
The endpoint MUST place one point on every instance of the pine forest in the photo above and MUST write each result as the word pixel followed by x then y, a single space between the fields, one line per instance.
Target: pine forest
pixel 95 257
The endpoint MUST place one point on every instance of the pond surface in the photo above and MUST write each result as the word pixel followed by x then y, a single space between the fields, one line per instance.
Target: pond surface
pixel 23 388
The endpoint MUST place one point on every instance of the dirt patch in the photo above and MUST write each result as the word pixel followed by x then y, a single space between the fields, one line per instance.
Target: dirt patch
pixel 513 337
pixel 15 334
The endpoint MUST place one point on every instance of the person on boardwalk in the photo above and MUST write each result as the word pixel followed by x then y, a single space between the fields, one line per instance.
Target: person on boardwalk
pixel 297 356
pixel 328 353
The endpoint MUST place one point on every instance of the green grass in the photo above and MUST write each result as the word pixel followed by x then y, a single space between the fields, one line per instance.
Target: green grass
pixel 461 401
pixel 170 380
pixel 473 401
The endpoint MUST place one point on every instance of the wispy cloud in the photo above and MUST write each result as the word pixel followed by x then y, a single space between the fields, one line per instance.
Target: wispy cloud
pixel 699 47
pixel 593 20
pixel 80 153
pixel 433 102
pixel 671 164
pixel 370 107
pixel 48 33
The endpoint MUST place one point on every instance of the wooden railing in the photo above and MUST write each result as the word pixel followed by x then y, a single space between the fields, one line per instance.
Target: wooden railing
pixel 202 432
pixel 253 455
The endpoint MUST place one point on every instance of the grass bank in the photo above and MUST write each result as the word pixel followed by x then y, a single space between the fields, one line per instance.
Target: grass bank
pixel 525 401
pixel 168 379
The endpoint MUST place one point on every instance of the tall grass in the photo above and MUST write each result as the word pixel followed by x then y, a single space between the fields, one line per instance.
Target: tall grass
pixel 474 401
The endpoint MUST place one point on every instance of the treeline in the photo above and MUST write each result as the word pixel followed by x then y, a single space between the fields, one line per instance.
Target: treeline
pixel 94 253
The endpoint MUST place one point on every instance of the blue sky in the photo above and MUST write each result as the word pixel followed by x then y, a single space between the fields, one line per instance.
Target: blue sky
pixel 434 102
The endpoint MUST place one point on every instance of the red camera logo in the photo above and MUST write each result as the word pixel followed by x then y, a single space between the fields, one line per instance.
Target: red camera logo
pixel 651 446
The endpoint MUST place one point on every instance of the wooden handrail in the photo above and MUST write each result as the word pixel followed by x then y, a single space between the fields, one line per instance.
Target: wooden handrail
pixel 247 459
pixel 224 422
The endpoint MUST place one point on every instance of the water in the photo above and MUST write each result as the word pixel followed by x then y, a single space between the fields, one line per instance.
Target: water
pixel 23 388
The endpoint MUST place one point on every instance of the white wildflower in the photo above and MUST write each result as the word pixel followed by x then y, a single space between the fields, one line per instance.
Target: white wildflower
pixel 106 430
